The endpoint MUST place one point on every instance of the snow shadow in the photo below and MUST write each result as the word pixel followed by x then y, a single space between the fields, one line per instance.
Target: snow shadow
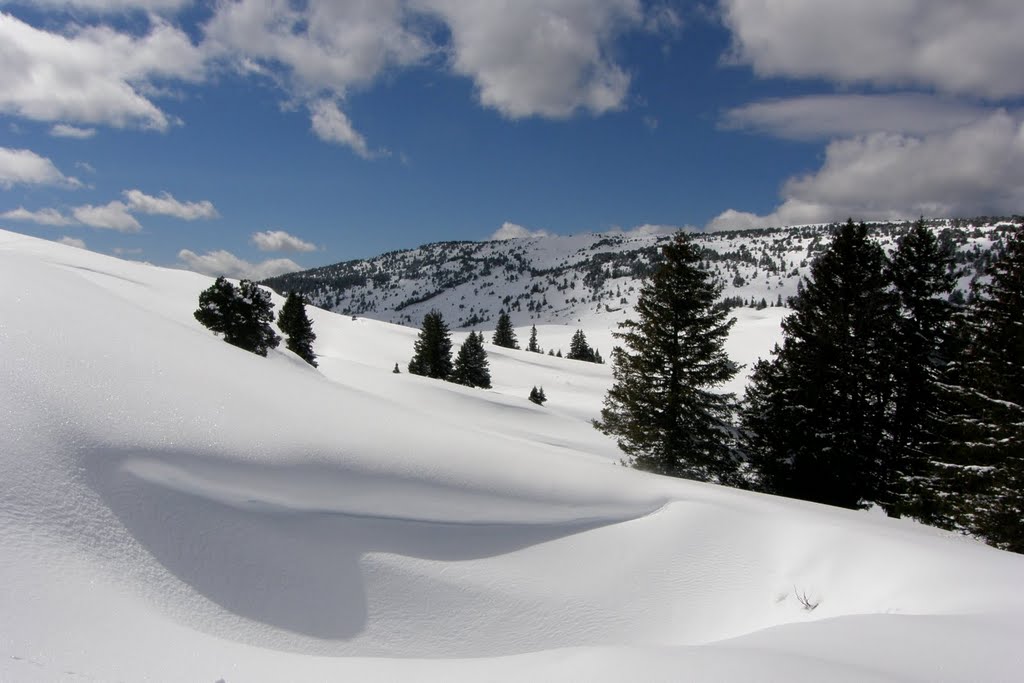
pixel 294 569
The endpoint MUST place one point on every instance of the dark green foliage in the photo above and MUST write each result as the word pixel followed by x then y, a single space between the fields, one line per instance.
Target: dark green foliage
pixel 987 444
pixel 504 334
pixel 243 315
pixel 663 408
pixel 579 349
pixel 537 396
pixel 471 366
pixel 432 351
pixel 559 354
pixel 396 371
pixel 923 273
pixel 816 416
pixel 532 346
pixel 297 328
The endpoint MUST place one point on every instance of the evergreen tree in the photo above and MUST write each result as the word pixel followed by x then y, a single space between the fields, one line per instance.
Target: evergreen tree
pixel 537 396
pixel 471 366
pixel 297 327
pixel 532 346
pixel 816 416
pixel 988 448
pixel 432 351
pixel 396 371
pixel 923 273
pixel 663 408
pixel 242 315
pixel 504 335
pixel 579 349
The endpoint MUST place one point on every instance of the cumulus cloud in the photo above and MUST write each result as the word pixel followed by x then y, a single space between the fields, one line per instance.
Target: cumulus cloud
pixel 220 262
pixel 41 217
pixel 975 169
pixel 112 216
pixel 511 231
pixel 166 205
pixel 25 167
pixel 971 48
pixel 541 58
pixel 332 125
pixel 92 73
pixel 825 116
pixel 63 130
pixel 651 229
pixel 279 240
pixel 72 242
pixel 102 6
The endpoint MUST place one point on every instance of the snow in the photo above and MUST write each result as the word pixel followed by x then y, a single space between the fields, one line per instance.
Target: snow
pixel 173 508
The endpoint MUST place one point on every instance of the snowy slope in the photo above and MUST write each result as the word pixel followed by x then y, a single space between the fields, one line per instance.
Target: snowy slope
pixel 588 280
pixel 173 508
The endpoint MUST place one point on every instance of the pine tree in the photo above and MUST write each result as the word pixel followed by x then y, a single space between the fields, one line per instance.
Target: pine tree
pixel 988 451
pixel 579 349
pixel 664 408
pixel 242 315
pixel 504 334
pixel 923 273
pixel 432 351
pixel 396 371
pixel 532 346
pixel 471 365
pixel 537 396
pixel 297 327
pixel 816 416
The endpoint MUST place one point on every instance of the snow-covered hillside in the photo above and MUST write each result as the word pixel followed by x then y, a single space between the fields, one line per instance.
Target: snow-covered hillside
pixel 173 508
pixel 590 280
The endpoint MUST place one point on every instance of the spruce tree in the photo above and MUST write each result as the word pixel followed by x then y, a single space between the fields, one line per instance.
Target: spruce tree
pixel 579 349
pixel 988 447
pixel 923 273
pixel 532 345
pixel 243 315
pixel 471 365
pixel 664 408
pixel 432 351
pixel 816 416
pixel 297 327
pixel 537 396
pixel 504 334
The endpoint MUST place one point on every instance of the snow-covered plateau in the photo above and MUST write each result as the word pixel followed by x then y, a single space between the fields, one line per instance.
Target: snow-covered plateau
pixel 173 508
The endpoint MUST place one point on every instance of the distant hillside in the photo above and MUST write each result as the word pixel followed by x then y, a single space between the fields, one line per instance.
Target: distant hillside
pixel 558 279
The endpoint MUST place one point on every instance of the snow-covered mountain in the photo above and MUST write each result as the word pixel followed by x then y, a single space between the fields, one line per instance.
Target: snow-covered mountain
pixel 590 279
pixel 173 508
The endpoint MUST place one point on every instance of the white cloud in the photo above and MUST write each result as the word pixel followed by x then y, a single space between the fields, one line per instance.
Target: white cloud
pixel 331 125
pixel 216 263
pixel 25 167
pixel 823 116
pixel 41 217
pixel 112 216
pixel 72 242
pixel 166 205
pixel 279 240
pixel 543 57
pixel 959 47
pixel 63 130
pixel 92 73
pixel 126 251
pixel 973 170
pixel 511 231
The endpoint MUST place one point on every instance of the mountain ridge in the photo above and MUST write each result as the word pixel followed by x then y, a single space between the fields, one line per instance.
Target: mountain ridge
pixel 592 277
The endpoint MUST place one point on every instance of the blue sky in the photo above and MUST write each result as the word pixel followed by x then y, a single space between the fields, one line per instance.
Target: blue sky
pixel 251 137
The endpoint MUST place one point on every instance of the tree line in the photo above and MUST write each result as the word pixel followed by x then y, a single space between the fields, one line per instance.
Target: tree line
pixel 884 391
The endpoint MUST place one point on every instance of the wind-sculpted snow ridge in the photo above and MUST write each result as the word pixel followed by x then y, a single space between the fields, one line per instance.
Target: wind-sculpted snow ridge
pixel 174 508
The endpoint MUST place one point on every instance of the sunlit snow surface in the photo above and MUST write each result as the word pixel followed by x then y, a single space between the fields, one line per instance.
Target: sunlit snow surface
pixel 175 509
